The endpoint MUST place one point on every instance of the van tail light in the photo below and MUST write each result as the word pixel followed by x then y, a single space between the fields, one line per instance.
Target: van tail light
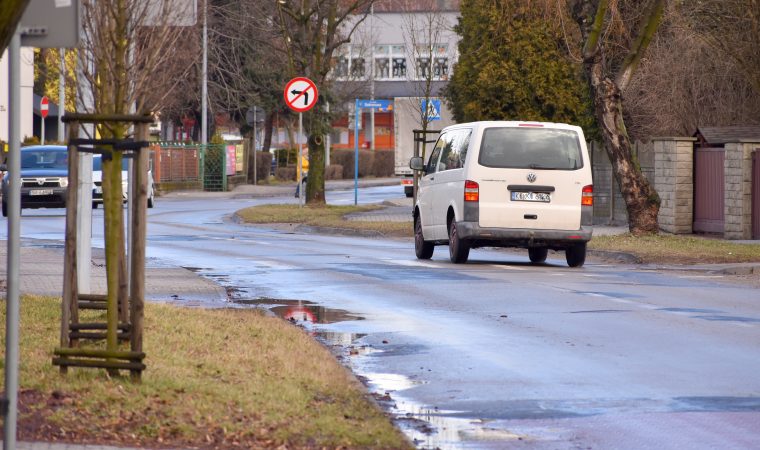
pixel 471 193
pixel 587 196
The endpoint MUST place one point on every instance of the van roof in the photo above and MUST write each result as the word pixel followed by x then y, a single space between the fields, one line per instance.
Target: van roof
pixel 513 123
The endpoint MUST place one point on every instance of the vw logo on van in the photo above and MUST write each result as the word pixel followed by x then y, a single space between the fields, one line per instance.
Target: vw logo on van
pixel 532 177
pixel 41 181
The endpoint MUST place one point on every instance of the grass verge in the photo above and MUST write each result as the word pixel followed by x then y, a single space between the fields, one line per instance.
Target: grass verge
pixel 663 248
pixel 225 378
pixel 324 216
pixel 677 249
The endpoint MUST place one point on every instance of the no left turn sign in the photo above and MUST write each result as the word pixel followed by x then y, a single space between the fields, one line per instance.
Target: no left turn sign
pixel 301 94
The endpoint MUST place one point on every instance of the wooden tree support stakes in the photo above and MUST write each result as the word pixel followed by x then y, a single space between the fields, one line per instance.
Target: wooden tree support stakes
pixel 124 306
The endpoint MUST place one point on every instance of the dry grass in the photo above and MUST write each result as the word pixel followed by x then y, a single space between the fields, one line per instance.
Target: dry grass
pixel 674 249
pixel 215 379
pixel 324 216
pixel 663 248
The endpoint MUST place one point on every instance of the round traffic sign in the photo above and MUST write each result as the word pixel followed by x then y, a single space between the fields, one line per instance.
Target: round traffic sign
pixel 301 94
pixel 44 107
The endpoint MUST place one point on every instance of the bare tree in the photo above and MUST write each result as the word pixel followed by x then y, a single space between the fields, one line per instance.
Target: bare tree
pixel 425 27
pixel 124 43
pixel 616 35
pixel 312 31
pixel 247 63
pixel 685 82
pixel 732 27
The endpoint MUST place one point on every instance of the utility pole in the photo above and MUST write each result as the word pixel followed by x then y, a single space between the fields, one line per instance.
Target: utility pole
pixel 61 94
pixel 372 75
pixel 204 77
pixel 14 243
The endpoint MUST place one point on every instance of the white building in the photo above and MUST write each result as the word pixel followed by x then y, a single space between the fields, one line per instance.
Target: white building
pixel 27 94
pixel 391 55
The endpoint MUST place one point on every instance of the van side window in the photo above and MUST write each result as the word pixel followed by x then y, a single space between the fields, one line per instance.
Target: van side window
pixel 440 145
pixel 432 164
pixel 454 150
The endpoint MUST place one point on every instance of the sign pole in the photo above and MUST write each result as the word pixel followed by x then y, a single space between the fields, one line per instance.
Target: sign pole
pixel 14 242
pixel 43 115
pixel 357 118
pixel 300 95
pixel 61 95
pixel 300 159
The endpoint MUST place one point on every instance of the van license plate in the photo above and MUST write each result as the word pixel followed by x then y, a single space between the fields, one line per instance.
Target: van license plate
pixel 531 197
pixel 41 192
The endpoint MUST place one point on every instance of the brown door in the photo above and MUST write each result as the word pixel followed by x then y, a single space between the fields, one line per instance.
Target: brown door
pixel 708 190
pixel 756 194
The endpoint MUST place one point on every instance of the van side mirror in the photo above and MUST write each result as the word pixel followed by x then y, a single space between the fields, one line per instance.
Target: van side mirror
pixel 416 163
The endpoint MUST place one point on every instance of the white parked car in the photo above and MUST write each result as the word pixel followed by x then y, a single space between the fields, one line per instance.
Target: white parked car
pixel 505 184
pixel 97 178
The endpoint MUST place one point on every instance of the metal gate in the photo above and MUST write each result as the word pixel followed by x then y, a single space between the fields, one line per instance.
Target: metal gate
pixel 709 185
pixel 756 194
pixel 213 166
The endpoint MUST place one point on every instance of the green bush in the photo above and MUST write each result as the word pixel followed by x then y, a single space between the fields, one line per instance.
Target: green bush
pixel 334 172
pixel 263 165
pixel 285 173
pixel 384 163
pixel 345 158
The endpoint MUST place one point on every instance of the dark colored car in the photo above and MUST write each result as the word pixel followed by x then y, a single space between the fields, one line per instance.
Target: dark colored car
pixel 44 177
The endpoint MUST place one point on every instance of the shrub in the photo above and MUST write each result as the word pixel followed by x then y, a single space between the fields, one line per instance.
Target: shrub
pixel 285 173
pixel 385 163
pixel 334 172
pixel 345 158
pixel 263 165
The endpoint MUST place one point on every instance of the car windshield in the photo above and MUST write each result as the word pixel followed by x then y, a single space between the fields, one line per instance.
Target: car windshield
pixel 531 148
pixel 97 163
pixel 44 159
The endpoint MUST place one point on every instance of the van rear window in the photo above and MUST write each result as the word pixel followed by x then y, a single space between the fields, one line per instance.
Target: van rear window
pixel 530 148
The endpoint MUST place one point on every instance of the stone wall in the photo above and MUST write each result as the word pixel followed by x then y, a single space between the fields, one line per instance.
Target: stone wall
pixel 738 192
pixel 609 206
pixel 674 182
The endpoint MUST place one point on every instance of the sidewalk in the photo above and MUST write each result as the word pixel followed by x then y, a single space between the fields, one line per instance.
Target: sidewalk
pixel 41 273
pixel 284 189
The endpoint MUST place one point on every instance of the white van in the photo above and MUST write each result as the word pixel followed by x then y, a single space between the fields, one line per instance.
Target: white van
pixel 505 184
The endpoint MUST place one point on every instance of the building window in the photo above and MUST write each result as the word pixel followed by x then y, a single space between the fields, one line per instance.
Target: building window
pixel 423 68
pixel 382 68
pixel 399 67
pixel 357 68
pixel 441 68
pixel 341 67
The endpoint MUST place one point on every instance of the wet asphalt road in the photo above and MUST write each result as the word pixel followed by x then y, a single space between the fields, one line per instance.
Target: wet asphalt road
pixel 495 353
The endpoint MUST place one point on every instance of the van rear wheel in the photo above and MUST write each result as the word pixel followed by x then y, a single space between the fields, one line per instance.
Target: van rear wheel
pixel 537 254
pixel 459 250
pixel 422 248
pixel 576 255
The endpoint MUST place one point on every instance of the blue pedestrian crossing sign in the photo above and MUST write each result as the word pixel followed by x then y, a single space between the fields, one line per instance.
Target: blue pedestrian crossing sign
pixel 432 109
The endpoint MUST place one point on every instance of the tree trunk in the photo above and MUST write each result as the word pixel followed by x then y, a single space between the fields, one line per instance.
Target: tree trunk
pixel 315 183
pixel 268 124
pixel 642 201
pixel 251 172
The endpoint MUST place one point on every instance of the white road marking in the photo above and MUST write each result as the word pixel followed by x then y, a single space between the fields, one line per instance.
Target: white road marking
pixel 498 266
pixel 411 263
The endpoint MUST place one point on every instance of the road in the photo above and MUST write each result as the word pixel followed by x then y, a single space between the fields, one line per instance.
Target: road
pixel 495 353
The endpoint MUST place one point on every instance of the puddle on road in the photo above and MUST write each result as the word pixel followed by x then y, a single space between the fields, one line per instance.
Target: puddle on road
pixel 299 311
pixel 427 427
pixel 431 428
